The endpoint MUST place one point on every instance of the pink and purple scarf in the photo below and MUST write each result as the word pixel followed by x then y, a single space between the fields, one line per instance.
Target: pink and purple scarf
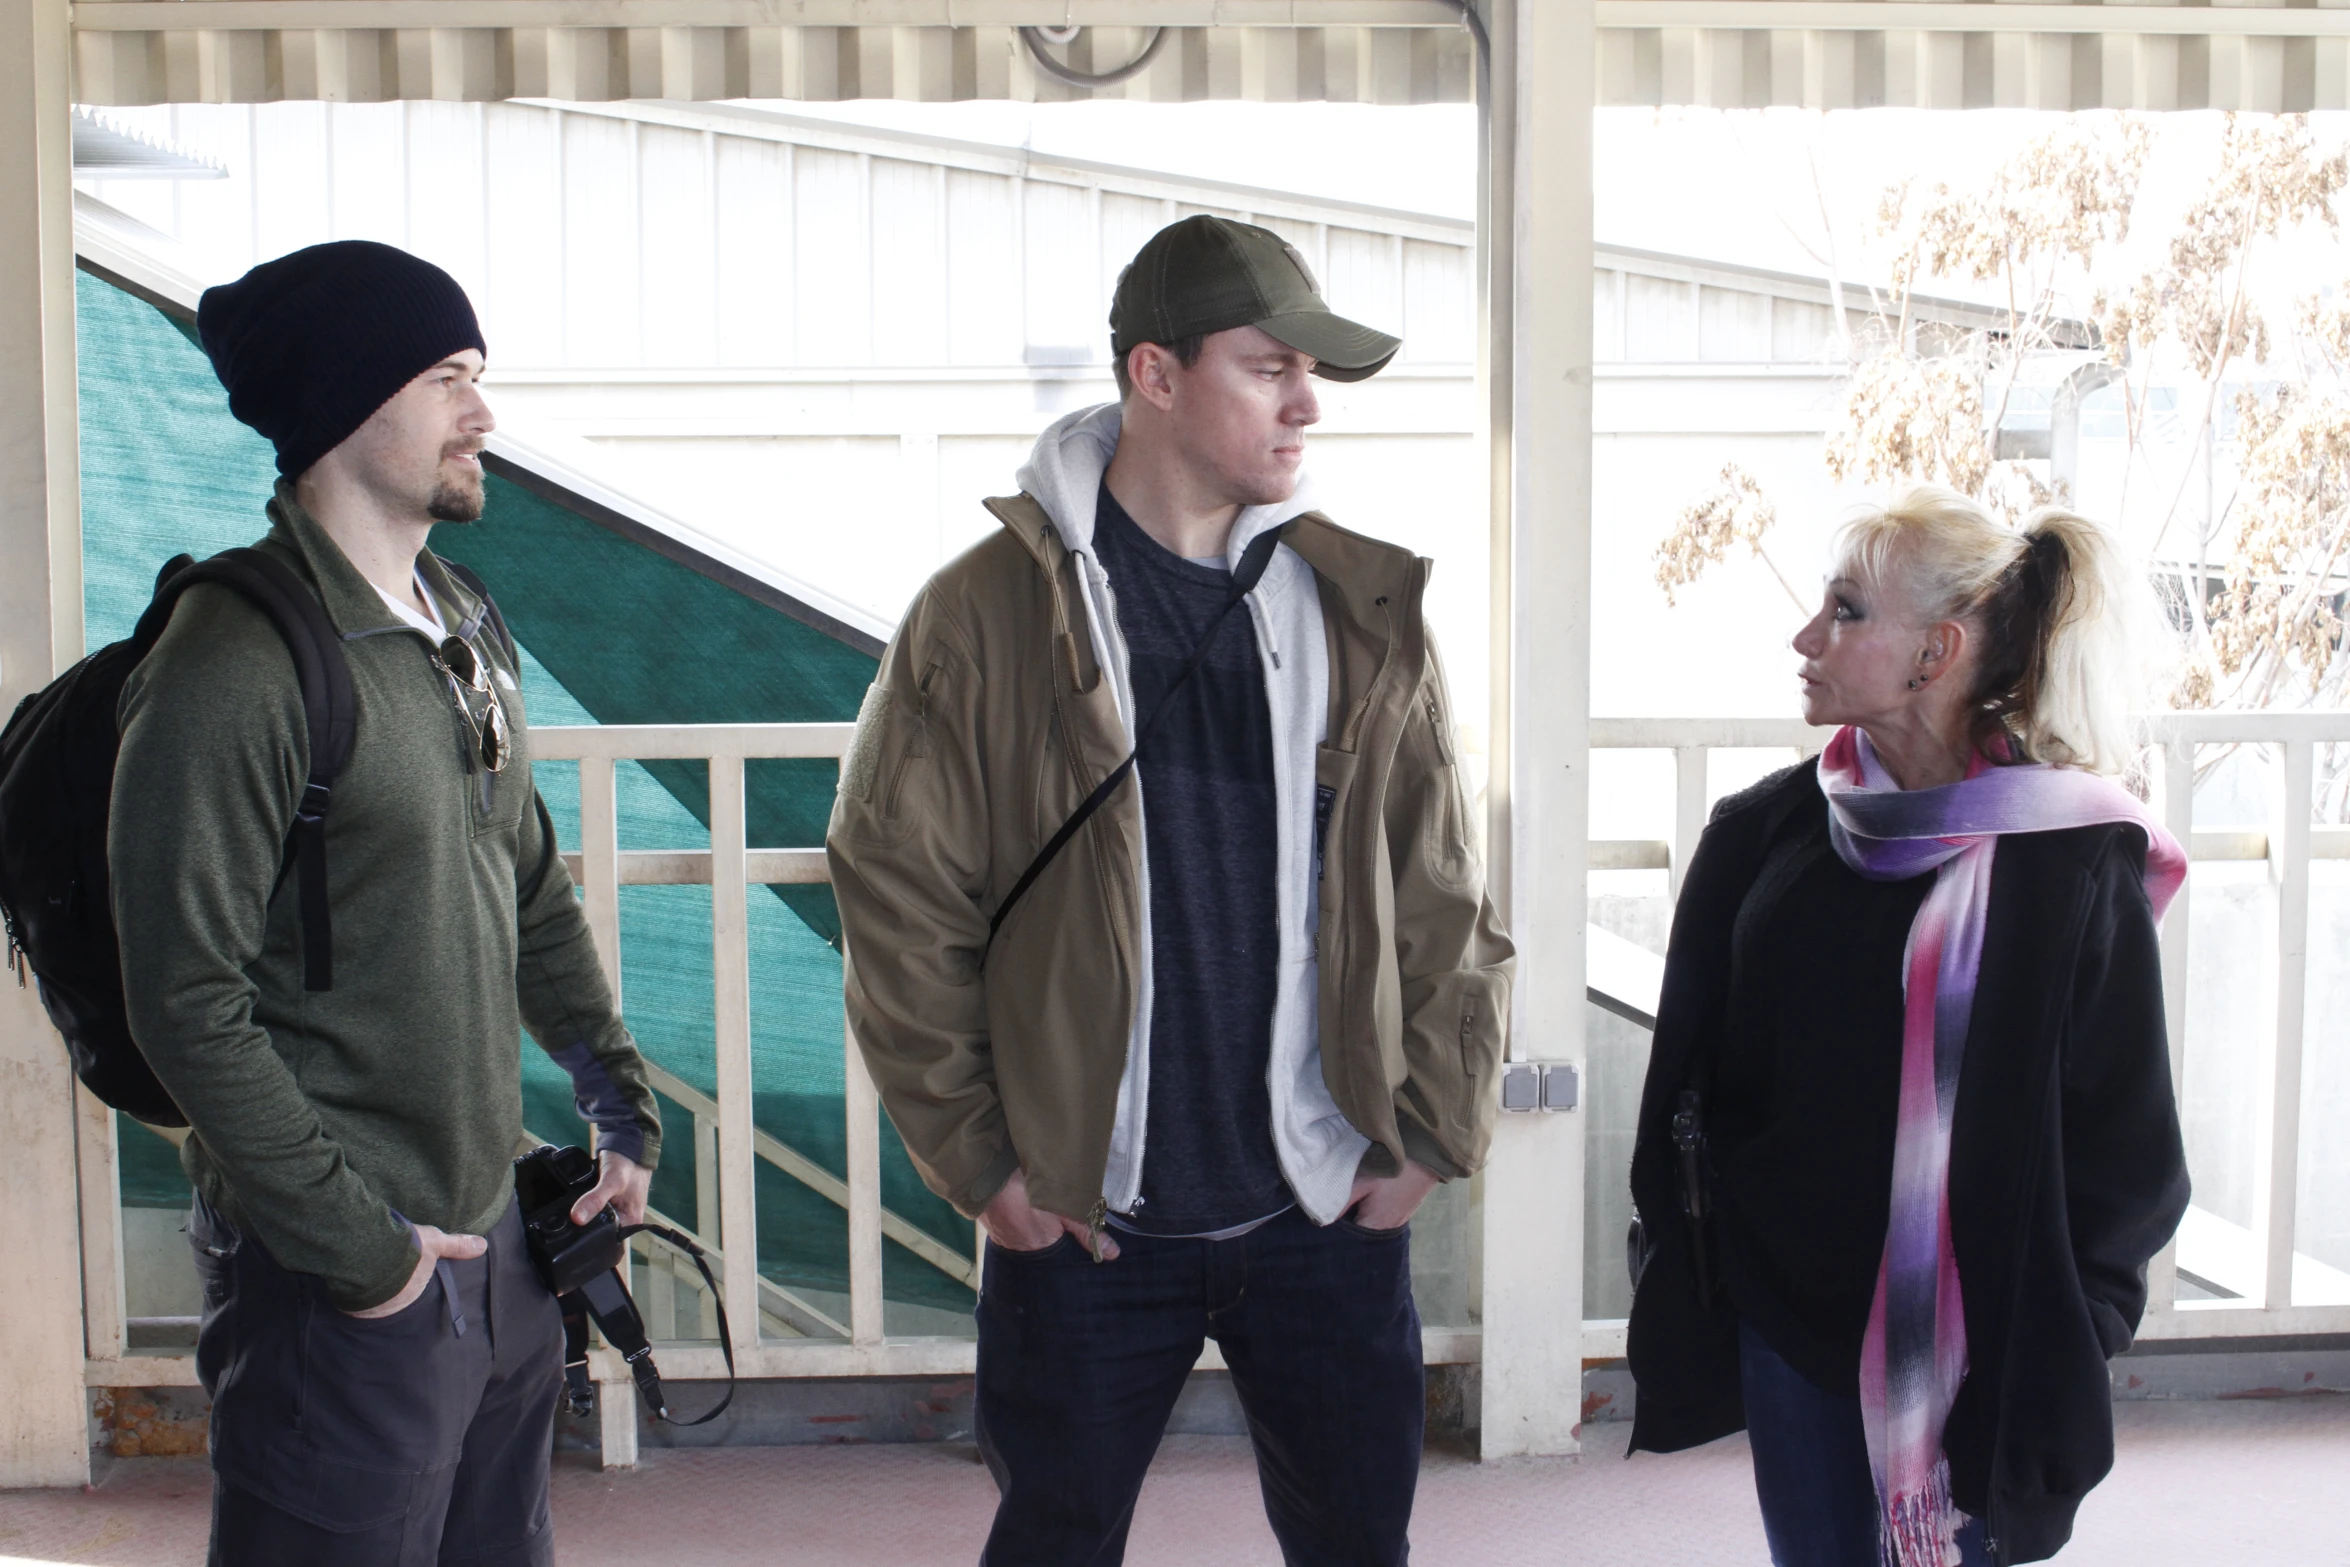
pixel 1914 1354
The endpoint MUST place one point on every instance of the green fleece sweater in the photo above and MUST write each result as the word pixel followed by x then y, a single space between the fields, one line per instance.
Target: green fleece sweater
pixel 323 1119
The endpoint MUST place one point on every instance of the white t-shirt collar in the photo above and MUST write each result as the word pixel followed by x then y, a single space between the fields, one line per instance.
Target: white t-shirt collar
pixel 432 627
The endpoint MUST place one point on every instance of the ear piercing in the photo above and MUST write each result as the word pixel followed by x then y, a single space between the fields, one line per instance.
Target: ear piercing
pixel 1919 682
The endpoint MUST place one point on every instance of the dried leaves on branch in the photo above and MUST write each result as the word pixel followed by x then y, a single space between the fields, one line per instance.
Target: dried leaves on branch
pixel 2169 330
pixel 1734 511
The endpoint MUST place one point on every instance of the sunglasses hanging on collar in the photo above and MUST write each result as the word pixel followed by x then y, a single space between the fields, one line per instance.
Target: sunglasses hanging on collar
pixel 468 674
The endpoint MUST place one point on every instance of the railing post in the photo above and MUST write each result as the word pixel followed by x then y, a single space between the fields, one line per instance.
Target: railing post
pixel 104 1313
pixel 599 857
pixel 730 926
pixel 2278 1176
pixel 863 1105
pixel 706 1207
pixel 599 877
pixel 2178 814
pixel 1689 787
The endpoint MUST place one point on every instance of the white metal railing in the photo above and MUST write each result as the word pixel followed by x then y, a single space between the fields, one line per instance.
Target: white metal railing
pixel 2280 1291
pixel 776 1332
pixel 780 1333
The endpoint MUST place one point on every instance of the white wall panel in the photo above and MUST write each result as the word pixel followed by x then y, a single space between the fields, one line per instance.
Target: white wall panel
pixel 1607 315
pixel 676 225
pixel 1425 492
pixel 1365 276
pixel 1065 325
pixel 1733 326
pixel 1439 305
pixel 830 509
pixel 910 261
pixel 985 301
pixel 1660 320
pixel 835 272
pixel 290 153
pixel 445 189
pixel 970 469
pixel 522 306
pixel 1800 332
pixel 756 279
pixel 368 172
pixel 600 238
pixel 216 216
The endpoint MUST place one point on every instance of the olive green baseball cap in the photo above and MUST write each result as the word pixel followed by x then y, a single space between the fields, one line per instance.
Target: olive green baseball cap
pixel 1208 274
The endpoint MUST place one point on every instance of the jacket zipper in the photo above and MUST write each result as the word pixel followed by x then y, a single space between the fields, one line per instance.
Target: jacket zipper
pixel 1094 1220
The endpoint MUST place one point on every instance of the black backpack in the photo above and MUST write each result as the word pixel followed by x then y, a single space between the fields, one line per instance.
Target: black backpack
pixel 56 783
pixel 56 788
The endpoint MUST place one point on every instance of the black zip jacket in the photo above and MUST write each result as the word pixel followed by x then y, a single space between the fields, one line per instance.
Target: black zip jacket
pixel 2067 1171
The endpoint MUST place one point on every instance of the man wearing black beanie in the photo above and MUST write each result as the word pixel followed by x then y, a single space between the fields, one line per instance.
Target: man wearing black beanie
pixel 383 1363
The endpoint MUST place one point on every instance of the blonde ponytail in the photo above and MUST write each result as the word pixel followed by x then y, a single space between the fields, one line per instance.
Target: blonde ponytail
pixel 2054 607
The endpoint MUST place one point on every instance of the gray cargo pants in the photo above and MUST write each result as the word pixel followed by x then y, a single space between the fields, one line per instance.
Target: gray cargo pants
pixel 411 1440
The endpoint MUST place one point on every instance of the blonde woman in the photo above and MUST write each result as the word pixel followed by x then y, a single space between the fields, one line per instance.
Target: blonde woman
pixel 1908 1138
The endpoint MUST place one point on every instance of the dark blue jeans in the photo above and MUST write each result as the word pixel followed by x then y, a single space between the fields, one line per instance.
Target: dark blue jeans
pixel 411 1440
pixel 1811 1468
pixel 1080 1364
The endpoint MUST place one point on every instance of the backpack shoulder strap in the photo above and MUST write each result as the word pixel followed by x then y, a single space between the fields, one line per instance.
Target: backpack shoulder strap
pixel 480 590
pixel 329 707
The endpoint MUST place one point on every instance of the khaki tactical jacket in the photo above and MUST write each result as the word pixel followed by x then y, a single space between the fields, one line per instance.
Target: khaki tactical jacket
pixel 990 720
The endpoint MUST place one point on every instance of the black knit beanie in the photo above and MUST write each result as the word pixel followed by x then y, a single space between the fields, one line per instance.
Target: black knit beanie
pixel 312 344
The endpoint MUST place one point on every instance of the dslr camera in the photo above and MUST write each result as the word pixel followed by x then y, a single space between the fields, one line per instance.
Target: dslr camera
pixel 580 1265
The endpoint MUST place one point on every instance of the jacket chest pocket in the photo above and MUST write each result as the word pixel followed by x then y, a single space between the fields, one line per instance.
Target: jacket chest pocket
pixel 496 798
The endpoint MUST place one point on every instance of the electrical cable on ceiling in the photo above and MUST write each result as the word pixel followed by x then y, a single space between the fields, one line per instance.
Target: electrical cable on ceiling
pixel 1035 38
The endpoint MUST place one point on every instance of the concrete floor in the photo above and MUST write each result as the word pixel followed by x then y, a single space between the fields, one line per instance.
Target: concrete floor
pixel 2241 1484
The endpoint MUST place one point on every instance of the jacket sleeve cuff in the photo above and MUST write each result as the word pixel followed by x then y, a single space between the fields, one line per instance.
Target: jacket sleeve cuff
pixel 973 1199
pixel 1421 1147
pixel 381 1279
pixel 622 1114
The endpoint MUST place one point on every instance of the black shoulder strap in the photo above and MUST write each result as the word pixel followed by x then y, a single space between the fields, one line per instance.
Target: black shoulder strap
pixel 1253 562
pixel 480 590
pixel 329 709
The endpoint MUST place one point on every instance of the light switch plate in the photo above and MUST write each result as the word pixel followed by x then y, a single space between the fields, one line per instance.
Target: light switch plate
pixel 1521 1086
pixel 1561 1086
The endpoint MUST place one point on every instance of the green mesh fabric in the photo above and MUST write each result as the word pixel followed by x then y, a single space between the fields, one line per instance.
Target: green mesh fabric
pixel 611 632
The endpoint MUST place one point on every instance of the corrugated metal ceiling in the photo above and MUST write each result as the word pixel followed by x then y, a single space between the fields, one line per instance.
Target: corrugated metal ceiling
pixel 1822 54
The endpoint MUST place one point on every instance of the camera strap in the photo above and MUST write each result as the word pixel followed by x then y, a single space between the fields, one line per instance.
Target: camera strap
pixel 606 1299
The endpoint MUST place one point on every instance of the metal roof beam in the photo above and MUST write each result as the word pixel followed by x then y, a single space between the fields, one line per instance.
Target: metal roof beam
pixel 1938 16
pixel 285 15
pixel 595 51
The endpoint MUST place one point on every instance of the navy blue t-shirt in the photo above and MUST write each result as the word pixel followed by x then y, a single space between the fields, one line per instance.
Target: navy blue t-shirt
pixel 1208 825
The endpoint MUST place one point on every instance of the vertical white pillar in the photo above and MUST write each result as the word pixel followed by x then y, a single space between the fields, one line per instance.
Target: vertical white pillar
pixel 738 1166
pixel 1533 1322
pixel 43 1420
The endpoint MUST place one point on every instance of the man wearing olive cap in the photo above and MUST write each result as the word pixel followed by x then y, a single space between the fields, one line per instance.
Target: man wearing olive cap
pixel 1194 1068
pixel 383 1362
